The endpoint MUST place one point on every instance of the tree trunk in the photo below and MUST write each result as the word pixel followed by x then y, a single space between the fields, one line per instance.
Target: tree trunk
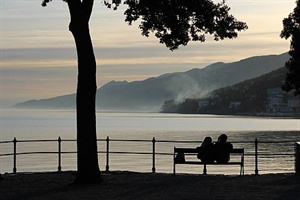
pixel 87 158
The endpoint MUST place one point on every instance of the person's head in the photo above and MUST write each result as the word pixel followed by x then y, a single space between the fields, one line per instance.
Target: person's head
pixel 222 138
pixel 207 140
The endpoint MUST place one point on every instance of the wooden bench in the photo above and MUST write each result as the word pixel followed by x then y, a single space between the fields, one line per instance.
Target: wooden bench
pixel 194 151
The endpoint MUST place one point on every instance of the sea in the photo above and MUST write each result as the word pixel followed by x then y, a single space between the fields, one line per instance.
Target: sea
pixel 131 136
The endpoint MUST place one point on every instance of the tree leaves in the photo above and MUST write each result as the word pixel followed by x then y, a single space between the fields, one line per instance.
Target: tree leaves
pixel 177 22
pixel 112 4
pixel 291 28
pixel 45 2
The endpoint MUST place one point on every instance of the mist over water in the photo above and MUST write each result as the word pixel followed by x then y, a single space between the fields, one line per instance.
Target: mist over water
pixel 50 124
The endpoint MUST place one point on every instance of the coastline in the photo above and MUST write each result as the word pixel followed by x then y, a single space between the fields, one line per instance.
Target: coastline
pixel 124 185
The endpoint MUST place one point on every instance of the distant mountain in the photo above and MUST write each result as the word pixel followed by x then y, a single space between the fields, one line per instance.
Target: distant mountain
pixel 61 102
pixel 150 94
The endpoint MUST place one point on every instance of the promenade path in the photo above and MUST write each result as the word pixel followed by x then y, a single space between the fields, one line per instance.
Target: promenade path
pixel 153 186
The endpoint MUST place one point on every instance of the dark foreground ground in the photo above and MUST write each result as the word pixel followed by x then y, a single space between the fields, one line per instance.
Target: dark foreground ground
pixel 139 186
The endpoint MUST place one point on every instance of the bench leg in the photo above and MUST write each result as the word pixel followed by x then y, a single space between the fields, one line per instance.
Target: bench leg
pixel 174 168
pixel 204 169
pixel 174 162
pixel 242 170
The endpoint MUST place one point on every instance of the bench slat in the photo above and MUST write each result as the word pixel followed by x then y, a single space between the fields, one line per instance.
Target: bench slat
pixel 201 163
pixel 237 151
pixel 191 150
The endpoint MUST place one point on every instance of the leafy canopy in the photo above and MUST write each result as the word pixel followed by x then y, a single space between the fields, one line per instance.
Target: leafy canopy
pixel 291 28
pixel 177 22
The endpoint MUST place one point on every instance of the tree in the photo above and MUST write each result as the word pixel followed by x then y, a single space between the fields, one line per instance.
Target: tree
pixel 174 22
pixel 291 28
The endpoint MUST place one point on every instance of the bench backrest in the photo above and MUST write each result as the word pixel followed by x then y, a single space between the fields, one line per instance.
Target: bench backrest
pixel 240 150
pixel 194 150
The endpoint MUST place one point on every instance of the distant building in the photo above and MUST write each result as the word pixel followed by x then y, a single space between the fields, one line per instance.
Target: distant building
pixel 279 101
pixel 294 104
pixel 235 104
pixel 202 103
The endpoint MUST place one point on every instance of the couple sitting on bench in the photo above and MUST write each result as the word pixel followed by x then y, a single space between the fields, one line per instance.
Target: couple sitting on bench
pixel 219 151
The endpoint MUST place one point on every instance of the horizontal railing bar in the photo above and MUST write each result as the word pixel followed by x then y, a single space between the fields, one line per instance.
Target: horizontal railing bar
pixel 62 152
pixel 69 152
pixel 157 153
pixel 124 140
pixel 137 140
pixel 23 141
pixel 282 141
pixel 68 140
pixel 200 141
pixel 37 152
pixel 179 141
pixel 3 142
pixel 41 152
pixel 275 154
pixel 66 152
pixel 128 152
pixel 142 153
pixel 6 154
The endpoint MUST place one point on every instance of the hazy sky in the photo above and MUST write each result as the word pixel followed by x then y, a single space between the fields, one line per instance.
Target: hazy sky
pixel 38 57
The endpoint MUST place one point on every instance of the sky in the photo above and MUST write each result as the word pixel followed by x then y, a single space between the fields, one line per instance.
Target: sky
pixel 38 55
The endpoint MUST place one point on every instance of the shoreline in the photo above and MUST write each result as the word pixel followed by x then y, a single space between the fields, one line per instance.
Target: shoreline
pixel 124 185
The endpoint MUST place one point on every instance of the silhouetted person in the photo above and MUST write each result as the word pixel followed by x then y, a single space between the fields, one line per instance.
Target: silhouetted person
pixel 206 151
pixel 222 149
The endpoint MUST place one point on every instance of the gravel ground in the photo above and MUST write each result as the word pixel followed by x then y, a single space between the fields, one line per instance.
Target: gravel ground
pixel 154 186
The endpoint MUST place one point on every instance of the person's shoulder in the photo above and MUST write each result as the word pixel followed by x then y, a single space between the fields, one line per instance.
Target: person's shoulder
pixel 200 148
pixel 229 144
pixel 217 145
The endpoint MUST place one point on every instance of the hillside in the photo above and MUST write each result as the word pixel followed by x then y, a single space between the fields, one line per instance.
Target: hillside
pixel 250 97
pixel 150 94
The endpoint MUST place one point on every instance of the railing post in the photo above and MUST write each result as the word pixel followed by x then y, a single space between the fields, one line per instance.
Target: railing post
pixel 256 156
pixel 153 155
pixel 15 155
pixel 107 154
pixel 297 158
pixel 59 154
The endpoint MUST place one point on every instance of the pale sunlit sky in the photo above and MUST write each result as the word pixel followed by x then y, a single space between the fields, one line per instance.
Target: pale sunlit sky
pixel 38 57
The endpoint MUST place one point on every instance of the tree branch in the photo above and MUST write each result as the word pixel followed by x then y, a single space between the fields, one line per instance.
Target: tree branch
pixel 80 10
pixel 88 7
pixel 74 8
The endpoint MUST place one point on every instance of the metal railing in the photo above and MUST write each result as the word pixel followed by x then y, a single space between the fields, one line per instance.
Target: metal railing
pixel 255 153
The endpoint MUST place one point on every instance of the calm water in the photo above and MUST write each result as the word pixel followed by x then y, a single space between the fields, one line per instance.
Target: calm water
pixel 32 124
